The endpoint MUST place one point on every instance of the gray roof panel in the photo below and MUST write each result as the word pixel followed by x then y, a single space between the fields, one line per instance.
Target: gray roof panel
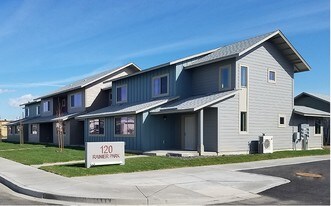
pixel 307 111
pixel 122 109
pixel 193 103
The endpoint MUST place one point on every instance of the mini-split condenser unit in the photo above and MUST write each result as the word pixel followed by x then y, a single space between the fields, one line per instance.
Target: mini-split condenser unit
pixel 266 144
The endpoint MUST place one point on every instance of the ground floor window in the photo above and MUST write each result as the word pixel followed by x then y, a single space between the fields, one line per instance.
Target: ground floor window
pixel 34 129
pixel 97 126
pixel 125 126
pixel 318 127
pixel 243 121
pixel 281 121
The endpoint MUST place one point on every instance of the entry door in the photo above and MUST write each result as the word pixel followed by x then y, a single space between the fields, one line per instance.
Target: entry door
pixel 190 133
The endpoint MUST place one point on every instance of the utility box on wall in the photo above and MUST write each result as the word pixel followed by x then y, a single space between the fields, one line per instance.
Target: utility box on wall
pixel 304 135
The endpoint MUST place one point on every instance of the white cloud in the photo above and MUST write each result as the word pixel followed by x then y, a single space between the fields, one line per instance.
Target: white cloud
pixel 16 102
pixel 6 91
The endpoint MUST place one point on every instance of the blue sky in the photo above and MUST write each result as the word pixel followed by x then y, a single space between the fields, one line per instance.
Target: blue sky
pixel 47 44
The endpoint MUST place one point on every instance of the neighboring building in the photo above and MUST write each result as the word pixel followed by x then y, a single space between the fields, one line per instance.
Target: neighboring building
pixel 314 110
pixel 217 101
pixel 3 129
pixel 43 116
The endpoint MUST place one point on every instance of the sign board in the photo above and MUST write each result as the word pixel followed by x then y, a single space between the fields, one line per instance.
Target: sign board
pixel 104 153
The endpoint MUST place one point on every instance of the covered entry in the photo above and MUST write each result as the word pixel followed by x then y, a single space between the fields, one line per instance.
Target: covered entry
pixel 46 132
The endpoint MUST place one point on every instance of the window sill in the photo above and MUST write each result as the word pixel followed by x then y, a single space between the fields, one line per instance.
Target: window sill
pixel 124 135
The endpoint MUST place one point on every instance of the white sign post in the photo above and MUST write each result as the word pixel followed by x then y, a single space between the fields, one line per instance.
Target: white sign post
pixel 104 153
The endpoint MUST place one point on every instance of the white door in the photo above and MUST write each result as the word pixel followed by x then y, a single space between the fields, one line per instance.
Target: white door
pixel 189 133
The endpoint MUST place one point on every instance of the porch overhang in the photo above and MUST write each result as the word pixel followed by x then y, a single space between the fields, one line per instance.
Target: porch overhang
pixel 126 109
pixel 310 112
pixel 193 104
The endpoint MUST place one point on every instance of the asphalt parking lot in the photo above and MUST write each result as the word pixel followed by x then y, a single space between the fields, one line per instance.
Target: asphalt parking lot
pixel 300 191
pixel 7 197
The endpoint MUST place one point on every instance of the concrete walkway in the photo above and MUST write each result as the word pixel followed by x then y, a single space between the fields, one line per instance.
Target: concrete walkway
pixel 196 185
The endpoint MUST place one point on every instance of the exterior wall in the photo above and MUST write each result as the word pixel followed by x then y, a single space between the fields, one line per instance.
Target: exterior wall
pixel 266 101
pixel 314 141
pixel 3 129
pixel 206 79
pixel 148 129
pixel 46 113
pixel 313 103
pixel 66 135
pixel 76 132
pixel 140 86
pixel 33 109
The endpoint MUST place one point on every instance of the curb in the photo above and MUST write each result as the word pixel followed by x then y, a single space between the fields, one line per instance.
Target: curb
pixel 44 195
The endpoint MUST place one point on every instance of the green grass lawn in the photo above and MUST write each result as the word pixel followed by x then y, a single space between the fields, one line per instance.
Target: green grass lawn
pixel 155 163
pixel 33 154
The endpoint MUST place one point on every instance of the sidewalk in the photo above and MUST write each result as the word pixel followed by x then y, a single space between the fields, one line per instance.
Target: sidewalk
pixel 196 185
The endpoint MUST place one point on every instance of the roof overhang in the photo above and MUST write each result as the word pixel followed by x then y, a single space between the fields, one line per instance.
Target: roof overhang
pixel 310 95
pixel 310 114
pixel 212 61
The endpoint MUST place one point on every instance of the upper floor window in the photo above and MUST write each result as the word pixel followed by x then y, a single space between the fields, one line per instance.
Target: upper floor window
pixel 38 110
pixel 244 76
pixel 225 77
pixel 125 126
pixel 46 106
pixel 160 85
pixel 76 100
pixel 27 112
pixel 97 126
pixel 121 94
pixel 271 76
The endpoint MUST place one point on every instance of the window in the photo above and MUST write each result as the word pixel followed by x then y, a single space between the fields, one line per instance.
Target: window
pixel 34 129
pixel 9 130
pixel 225 77
pixel 17 129
pixel 271 76
pixel 38 110
pixel 121 94
pixel 46 106
pixel 243 76
pixel 281 120
pixel 27 112
pixel 318 127
pixel 125 126
pixel 97 126
pixel 160 86
pixel 243 121
pixel 76 100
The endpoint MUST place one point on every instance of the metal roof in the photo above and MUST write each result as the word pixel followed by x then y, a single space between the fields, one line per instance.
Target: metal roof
pixel 310 112
pixel 193 103
pixel 51 118
pixel 31 102
pixel 242 47
pixel 124 109
pixel 88 80
pixel 322 97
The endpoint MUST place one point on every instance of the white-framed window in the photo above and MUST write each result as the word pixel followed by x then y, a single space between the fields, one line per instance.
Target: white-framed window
pixel 34 129
pixel 97 126
pixel 76 100
pixel 243 76
pixel 121 94
pixel 38 110
pixel 125 126
pixel 271 76
pixel 243 122
pixel 46 106
pixel 160 85
pixel 225 77
pixel 281 120
pixel 27 112
pixel 318 127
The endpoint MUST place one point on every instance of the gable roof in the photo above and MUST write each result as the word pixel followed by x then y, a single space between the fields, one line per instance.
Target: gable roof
pixel 242 47
pixel 310 112
pixel 322 97
pixel 89 80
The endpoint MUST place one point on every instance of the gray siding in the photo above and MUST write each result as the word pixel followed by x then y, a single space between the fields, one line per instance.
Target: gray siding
pixel 33 109
pixel 76 109
pixel 33 137
pixel 140 86
pixel 46 113
pixel 206 79
pixel 313 103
